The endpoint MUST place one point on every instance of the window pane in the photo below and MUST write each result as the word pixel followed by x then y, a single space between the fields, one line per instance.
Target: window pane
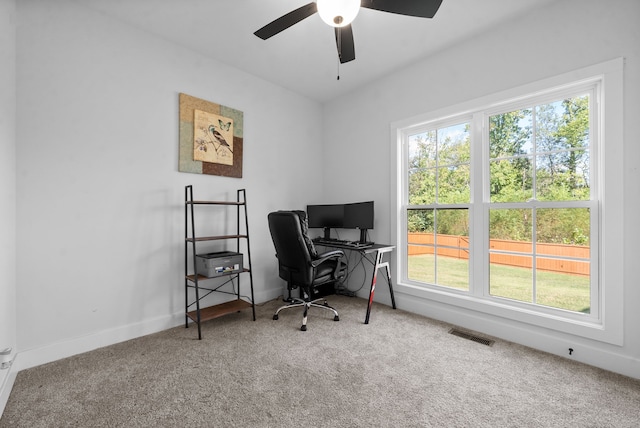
pixel 562 142
pixel 421 265
pixel 438 250
pixel 449 151
pixel 510 237
pixel 511 230
pixel 420 221
pixel 510 134
pixel 453 222
pixel 438 269
pixel 563 124
pixel 557 288
pixel 563 176
pixel 454 184
pixel 548 120
pixel 452 272
pixel 452 240
pixel 563 278
pixel 422 150
pixel 511 180
pixel 422 186
pixel 421 248
pixel 568 226
pixel 454 145
pixel 510 169
pixel 510 276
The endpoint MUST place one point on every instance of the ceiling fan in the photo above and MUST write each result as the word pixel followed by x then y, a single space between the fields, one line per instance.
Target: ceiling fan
pixel 340 13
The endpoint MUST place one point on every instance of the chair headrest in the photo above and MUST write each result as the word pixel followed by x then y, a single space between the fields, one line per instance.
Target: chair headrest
pixel 304 225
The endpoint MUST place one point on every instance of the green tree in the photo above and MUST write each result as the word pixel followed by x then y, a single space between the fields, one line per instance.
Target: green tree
pixel 562 140
pixel 508 133
pixel 510 175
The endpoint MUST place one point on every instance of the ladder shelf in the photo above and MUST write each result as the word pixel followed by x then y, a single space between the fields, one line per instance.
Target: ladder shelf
pixel 193 279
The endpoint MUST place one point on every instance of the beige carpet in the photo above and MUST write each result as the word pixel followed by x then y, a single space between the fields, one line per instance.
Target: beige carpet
pixel 401 370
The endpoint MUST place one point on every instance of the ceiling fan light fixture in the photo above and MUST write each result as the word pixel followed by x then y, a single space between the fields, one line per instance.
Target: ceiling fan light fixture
pixel 338 13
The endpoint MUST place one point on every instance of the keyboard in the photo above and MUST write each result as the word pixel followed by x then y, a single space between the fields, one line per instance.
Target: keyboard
pixel 342 243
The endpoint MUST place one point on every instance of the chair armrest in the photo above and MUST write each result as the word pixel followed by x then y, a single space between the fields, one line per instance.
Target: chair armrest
pixel 329 255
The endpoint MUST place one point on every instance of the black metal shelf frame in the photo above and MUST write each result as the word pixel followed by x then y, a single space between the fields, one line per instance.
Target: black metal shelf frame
pixel 192 281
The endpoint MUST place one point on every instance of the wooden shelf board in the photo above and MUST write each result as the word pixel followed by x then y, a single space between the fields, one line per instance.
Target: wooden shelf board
pixel 214 203
pixel 214 238
pixel 192 277
pixel 216 311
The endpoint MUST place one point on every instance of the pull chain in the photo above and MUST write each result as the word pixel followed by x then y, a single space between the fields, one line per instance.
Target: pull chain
pixel 339 43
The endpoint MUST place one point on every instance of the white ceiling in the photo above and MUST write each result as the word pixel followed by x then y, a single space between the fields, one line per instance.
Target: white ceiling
pixel 303 58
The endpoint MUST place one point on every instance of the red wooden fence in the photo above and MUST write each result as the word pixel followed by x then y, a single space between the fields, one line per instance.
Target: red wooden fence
pixel 423 243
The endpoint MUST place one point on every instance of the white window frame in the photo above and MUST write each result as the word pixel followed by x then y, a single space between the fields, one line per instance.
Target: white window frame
pixel 605 323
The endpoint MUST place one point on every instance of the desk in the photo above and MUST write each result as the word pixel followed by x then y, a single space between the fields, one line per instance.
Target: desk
pixel 378 251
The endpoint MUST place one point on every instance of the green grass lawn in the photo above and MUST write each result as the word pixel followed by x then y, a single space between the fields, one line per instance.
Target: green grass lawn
pixel 557 290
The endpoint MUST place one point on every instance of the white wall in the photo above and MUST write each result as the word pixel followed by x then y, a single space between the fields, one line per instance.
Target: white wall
pixel 560 37
pixel 7 190
pixel 100 201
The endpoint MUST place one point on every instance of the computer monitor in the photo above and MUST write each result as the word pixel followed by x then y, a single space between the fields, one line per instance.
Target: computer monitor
pixel 325 217
pixel 359 215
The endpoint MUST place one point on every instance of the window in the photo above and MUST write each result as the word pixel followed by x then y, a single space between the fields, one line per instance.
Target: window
pixel 542 204
pixel 501 204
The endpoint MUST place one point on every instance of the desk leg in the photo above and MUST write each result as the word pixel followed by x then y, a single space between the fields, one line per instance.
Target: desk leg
pixel 393 299
pixel 372 291
pixel 374 278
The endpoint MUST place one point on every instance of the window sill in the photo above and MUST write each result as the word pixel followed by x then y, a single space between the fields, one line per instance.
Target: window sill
pixel 573 324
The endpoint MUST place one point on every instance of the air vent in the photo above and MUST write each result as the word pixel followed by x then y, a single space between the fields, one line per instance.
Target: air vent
pixel 471 337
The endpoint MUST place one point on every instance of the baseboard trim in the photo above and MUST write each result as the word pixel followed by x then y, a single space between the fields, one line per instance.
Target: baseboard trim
pixel 582 350
pixel 67 348
pixel 7 379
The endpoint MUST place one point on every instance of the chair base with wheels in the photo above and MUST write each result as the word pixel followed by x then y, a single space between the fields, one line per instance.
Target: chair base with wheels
pixel 297 303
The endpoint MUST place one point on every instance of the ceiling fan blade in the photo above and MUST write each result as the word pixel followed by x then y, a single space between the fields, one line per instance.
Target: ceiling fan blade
pixel 286 21
pixel 344 42
pixel 419 8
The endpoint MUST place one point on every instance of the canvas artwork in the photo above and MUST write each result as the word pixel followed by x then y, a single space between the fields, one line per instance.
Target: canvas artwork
pixel 210 138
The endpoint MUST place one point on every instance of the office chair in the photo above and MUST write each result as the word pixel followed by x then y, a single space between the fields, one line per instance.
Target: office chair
pixel 300 265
